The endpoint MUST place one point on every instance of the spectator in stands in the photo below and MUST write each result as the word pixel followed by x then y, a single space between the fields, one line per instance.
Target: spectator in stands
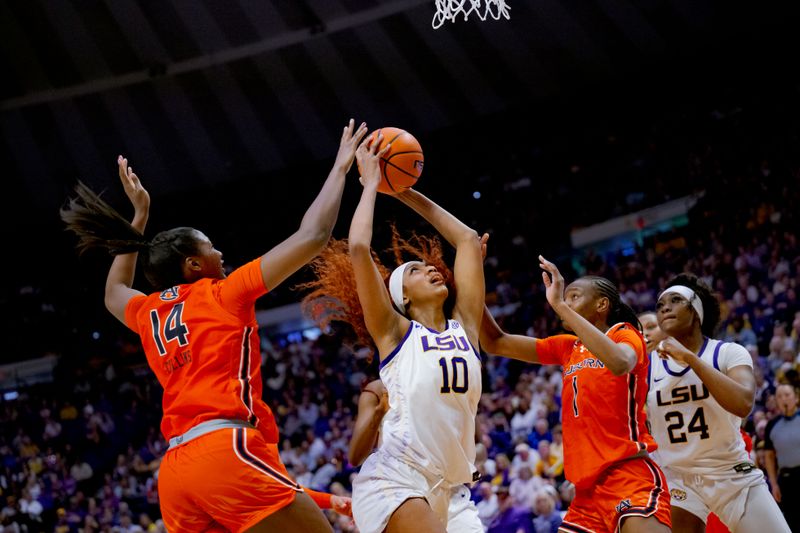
pixel 524 458
pixel 548 519
pixel 510 519
pixel 524 487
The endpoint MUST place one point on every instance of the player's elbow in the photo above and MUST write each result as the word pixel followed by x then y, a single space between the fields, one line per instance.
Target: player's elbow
pixel 621 367
pixel 315 238
pixel 358 247
pixel 356 457
pixel 618 370
pixel 742 410
pixel 468 237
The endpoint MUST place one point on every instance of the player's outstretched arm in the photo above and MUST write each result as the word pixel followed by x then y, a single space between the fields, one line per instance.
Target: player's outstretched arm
pixel 385 325
pixel 468 268
pixel 496 341
pixel 619 358
pixel 317 224
pixel 373 404
pixel 121 273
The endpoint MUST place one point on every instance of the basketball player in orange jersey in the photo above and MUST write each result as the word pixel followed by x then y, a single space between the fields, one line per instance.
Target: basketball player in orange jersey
pixel 222 471
pixel 606 442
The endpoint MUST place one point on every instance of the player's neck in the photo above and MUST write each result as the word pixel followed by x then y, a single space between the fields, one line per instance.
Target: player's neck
pixel 789 413
pixel 431 318
pixel 693 341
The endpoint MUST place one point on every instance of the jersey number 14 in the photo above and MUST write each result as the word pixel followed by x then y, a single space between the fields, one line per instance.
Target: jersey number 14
pixel 174 328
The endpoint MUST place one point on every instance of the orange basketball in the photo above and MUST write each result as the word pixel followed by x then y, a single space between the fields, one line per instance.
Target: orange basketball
pixel 402 165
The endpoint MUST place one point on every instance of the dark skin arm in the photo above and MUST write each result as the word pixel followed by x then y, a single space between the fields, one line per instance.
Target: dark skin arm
pixel 619 358
pixel 373 404
pixel 496 341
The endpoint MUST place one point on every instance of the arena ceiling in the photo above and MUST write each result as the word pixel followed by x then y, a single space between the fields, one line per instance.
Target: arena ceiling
pixel 200 92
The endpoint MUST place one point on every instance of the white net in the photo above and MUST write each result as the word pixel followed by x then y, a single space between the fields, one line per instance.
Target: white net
pixel 448 10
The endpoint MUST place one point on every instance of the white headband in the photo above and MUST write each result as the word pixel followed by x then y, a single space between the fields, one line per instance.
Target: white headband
pixel 690 295
pixel 396 286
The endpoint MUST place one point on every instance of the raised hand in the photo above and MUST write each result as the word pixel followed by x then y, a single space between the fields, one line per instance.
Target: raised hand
pixel 484 240
pixel 553 282
pixel 137 194
pixel 369 157
pixel 351 138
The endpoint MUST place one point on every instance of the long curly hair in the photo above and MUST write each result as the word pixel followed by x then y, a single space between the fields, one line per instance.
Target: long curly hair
pixel 333 296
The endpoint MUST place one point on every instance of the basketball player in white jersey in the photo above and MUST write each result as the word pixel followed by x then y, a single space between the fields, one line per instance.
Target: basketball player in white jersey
pixel 431 369
pixel 700 390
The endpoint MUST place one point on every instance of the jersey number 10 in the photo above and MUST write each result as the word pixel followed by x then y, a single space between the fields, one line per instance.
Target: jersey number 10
pixel 174 328
pixel 447 385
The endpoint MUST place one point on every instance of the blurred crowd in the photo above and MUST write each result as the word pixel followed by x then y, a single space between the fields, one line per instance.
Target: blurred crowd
pixel 82 454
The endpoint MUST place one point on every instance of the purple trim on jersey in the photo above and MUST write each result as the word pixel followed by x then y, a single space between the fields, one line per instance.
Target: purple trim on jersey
pixel 649 369
pixel 716 354
pixel 477 352
pixel 389 357
pixel 685 370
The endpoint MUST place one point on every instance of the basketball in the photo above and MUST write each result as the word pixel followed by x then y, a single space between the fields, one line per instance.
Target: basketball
pixel 402 165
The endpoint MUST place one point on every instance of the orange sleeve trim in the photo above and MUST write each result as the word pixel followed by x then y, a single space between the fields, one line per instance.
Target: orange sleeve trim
pixel 322 499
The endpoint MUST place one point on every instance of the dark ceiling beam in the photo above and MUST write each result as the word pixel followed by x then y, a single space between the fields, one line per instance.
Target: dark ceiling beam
pixel 222 57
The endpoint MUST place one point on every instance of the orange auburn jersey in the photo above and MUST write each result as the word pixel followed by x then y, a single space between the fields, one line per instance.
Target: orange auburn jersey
pixel 603 416
pixel 201 340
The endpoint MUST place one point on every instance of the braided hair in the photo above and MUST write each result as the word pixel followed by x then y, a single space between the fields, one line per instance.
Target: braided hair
pixel 620 311
pixel 100 226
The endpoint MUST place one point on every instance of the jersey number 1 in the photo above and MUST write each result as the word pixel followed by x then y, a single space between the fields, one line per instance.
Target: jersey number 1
pixel 453 386
pixel 173 329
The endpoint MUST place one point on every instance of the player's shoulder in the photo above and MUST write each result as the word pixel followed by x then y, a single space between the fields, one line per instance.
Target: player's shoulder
pixel 730 354
pixel 625 331
pixel 376 386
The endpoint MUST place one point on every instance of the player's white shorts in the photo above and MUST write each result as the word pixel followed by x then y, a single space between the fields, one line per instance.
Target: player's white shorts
pixel 385 482
pixel 724 495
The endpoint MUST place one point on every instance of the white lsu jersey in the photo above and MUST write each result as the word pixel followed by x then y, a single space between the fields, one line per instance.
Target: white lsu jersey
pixel 434 384
pixel 695 434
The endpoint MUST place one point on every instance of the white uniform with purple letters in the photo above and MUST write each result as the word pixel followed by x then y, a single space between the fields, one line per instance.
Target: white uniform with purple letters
pixel 700 448
pixel 428 436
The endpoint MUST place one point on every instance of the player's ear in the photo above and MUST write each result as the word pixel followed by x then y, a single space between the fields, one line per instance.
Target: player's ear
pixel 192 264
pixel 603 305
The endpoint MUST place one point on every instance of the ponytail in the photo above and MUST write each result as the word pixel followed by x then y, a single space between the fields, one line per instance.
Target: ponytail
pixel 98 225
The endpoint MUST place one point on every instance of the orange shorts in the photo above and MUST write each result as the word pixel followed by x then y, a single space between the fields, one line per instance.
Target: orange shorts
pixel 226 480
pixel 635 487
